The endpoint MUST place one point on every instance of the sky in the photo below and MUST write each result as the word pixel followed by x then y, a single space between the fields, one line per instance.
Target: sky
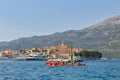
pixel 26 18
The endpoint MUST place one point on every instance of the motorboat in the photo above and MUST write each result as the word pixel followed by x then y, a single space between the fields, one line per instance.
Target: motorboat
pixel 31 57
pixel 36 57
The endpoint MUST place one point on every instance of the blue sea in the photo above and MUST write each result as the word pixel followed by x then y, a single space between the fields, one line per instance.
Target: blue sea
pixel 37 70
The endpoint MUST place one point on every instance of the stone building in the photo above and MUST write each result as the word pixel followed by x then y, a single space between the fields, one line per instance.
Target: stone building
pixel 63 51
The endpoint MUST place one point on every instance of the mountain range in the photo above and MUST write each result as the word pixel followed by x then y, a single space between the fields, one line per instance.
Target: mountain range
pixel 103 36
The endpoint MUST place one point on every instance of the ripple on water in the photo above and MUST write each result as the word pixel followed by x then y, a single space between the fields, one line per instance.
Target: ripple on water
pixel 35 70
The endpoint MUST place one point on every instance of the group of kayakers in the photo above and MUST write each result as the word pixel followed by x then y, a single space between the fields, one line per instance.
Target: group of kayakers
pixel 76 64
pixel 61 63
pixel 55 63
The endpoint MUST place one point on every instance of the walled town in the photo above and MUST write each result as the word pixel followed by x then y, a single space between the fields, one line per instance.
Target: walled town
pixel 61 51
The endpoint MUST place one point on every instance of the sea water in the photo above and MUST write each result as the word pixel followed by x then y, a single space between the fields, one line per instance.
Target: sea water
pixel 37 70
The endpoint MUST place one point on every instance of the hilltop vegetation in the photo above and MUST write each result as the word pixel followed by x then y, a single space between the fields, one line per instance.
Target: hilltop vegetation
pixel 104 36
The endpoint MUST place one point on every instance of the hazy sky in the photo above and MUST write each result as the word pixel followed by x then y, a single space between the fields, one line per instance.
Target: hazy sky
pixel 24 18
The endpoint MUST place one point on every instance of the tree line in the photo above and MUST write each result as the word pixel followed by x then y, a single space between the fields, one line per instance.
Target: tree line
pixel 89 54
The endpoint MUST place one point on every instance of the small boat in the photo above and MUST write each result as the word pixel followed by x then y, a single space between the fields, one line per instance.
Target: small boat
pixel 77 64
pixel 71 64
pixel 104 59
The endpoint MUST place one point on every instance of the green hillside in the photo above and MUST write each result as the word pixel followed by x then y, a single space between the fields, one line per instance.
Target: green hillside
pixel 104 36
